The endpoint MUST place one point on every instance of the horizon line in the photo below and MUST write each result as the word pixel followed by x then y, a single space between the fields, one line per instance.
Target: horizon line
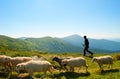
pixel 56 36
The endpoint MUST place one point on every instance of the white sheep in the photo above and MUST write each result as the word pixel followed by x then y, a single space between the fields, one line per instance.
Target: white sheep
pixel 75 62
pixel 16 60
pixel 35 66
pixel 103 60
pixel 2 62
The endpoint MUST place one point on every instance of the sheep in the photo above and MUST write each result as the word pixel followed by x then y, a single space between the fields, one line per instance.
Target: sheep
pixel 2 57
pixel 16 60
pixel 103 60
pixel 76 62
pixel 59 60
pixel 2 62
pixel 35 66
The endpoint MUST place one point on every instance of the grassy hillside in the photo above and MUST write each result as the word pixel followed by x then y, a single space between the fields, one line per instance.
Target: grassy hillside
pixel 8 43
pixel 46 44
pixel 52 45
pixel 93 69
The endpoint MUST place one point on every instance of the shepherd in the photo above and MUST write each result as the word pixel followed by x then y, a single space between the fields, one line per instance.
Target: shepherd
pixel 86 46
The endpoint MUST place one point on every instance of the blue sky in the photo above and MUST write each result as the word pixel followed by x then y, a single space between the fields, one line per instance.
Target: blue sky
pixel 60 18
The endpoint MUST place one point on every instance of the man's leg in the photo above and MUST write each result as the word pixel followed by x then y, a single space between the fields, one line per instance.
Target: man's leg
pixel 84 52
pixel 89 52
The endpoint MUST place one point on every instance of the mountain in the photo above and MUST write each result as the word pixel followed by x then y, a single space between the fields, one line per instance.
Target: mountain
pixel 50 44
pixel 46 44
pixel 75 40
pixel 115 39
pixel 105 44
pixel 23 38
pixel 69 44
pixel 100 44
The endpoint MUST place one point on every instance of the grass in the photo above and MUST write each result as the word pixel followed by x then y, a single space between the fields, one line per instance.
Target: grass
pixel 93 68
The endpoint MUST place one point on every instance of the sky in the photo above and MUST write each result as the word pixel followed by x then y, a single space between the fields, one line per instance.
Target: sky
pixel 60 18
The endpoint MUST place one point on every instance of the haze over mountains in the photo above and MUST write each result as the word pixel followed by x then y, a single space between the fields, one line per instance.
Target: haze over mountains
pixel 71 44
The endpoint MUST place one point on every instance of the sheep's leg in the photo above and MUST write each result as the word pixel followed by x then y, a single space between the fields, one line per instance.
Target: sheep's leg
pixel 101 67
pixel 86 68
pixel 61 67
pixel 72 69
pixel 79 69
pixel 31 77
pixel 50 71
pixel 43 75
pixel 30 74
pixel 109 66
pixel 65 68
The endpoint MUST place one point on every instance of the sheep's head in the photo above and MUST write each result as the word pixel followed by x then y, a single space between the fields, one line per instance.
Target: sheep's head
pixel 7 59
pixel 55 59
pixel 64 62
pixel 94 59
pixel 19 67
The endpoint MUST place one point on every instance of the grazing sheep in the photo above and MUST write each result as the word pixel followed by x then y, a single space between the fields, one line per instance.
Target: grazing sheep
pixel 103 60
pixel 35 66
pixel 75 62
pixel 16 60
pixel 59 60
pixel 2 62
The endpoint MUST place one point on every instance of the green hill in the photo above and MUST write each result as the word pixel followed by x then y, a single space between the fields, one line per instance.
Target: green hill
pixel 53 45
pixel 12 44
pixel 46 44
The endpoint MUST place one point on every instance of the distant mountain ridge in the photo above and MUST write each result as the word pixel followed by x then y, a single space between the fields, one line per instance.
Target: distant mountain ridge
pixel 69 44
pixel 101 44
pixel 115 39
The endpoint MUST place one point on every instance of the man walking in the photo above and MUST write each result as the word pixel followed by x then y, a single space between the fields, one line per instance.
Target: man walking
pixel 86 46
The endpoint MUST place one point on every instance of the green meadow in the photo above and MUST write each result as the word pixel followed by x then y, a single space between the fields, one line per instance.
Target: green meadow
pixel 93 68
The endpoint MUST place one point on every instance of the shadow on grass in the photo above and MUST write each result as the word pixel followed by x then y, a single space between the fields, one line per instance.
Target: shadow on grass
pixel 70 75
pixel 3 75
pixel 103 72
pixel 23 77
pixel 9 75
pixel 67 75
